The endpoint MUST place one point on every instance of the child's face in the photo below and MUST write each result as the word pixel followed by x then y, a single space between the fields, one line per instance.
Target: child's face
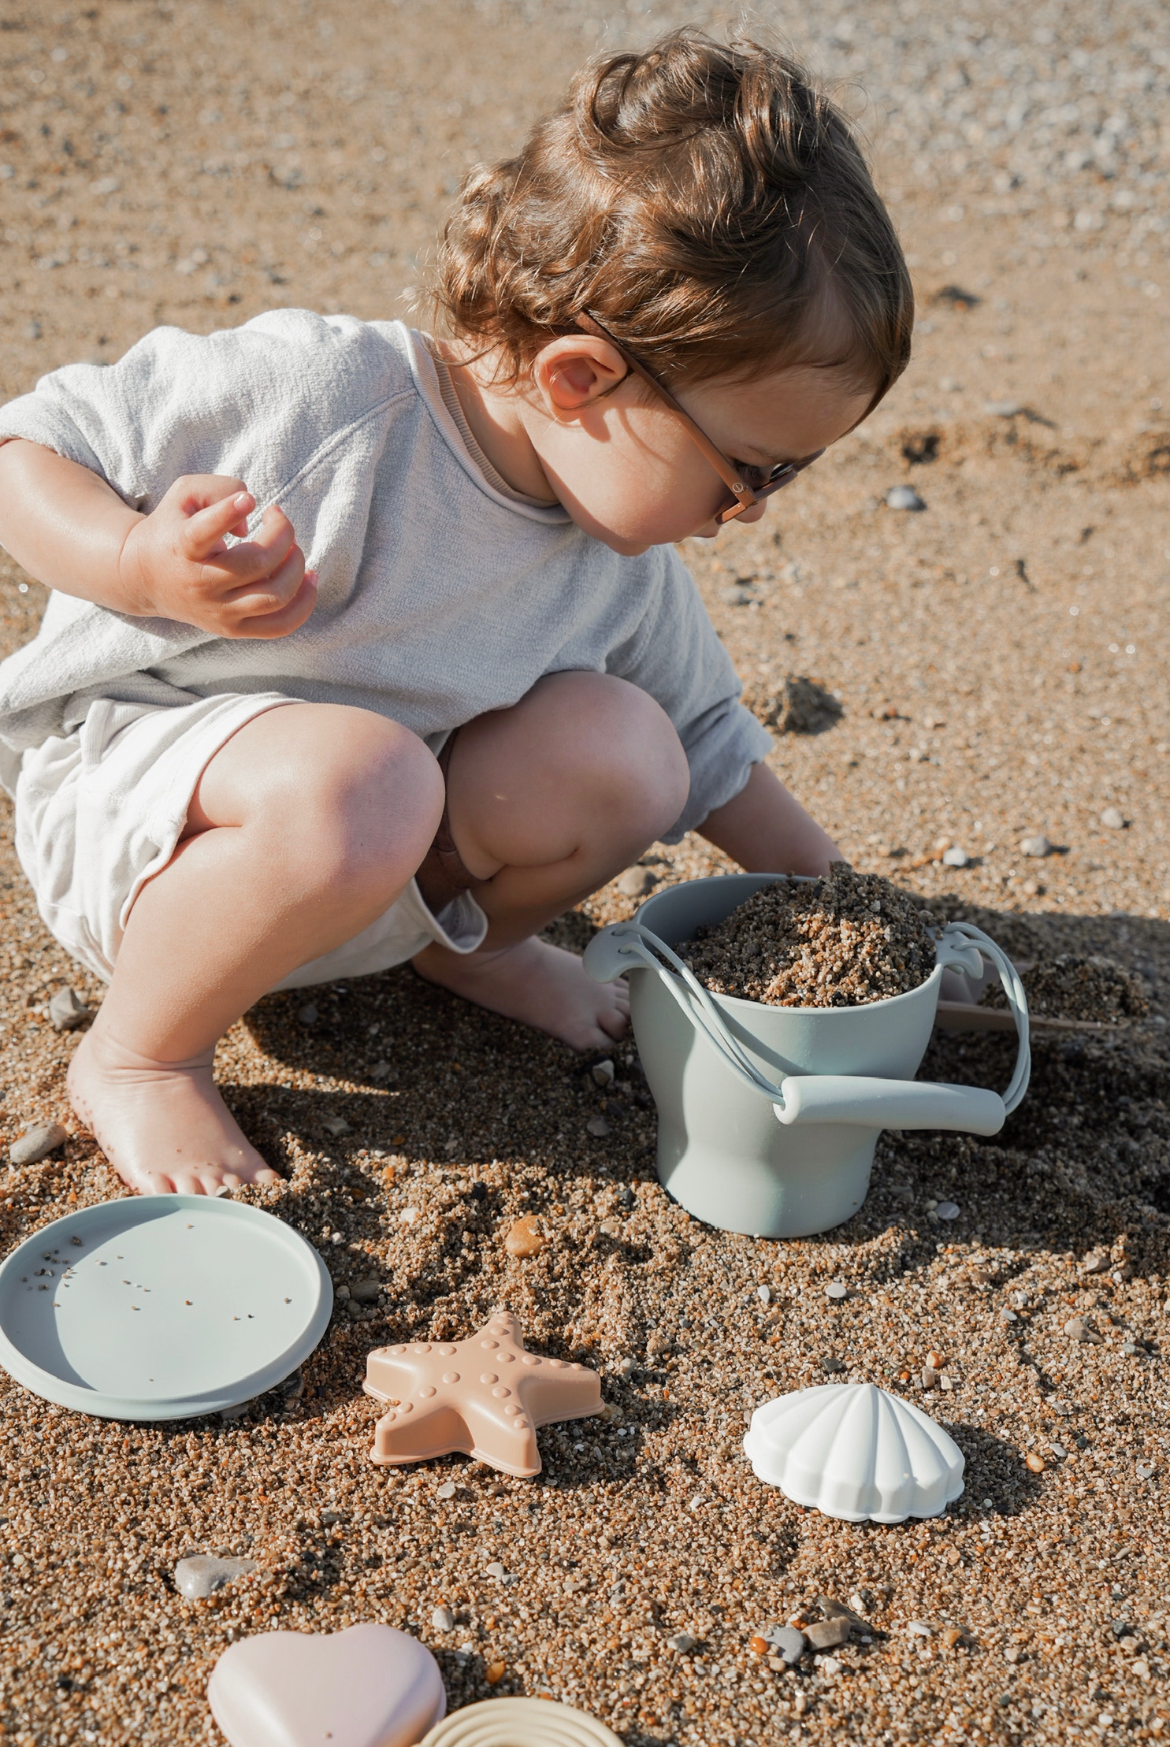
pixel 621 462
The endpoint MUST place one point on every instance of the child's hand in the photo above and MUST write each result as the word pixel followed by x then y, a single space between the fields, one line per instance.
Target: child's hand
pixel 177 563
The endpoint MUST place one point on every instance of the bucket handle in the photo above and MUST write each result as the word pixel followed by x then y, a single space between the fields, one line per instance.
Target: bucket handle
pixel 810 1098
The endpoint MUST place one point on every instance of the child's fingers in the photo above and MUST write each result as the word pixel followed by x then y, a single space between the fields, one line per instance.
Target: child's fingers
pixel 289 617
pixel 203 532
pixel 258 559
pixel 270 591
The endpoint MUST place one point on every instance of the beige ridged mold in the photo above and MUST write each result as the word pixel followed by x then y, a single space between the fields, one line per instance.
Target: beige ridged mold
pixel 520 1722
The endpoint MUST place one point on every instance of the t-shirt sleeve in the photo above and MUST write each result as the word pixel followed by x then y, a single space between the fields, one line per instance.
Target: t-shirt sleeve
pixel 677 657
pixel 264 402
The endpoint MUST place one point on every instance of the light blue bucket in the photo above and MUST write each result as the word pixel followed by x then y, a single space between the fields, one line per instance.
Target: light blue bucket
pixel 768 1117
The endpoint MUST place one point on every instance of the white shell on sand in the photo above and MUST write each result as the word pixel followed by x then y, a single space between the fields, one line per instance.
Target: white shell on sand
pixel 852 1451
pixel 520 1722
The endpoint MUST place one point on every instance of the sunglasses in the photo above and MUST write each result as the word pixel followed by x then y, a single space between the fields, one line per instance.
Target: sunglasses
pixel 747 485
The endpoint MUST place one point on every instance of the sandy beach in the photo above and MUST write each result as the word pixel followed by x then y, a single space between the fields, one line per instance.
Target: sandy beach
pixel 999 658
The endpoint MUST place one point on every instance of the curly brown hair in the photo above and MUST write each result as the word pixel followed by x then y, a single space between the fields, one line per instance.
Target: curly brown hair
pixel 707 202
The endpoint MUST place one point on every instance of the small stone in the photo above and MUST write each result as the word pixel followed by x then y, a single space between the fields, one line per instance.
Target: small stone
pixel 308 1014
pixel 1131 1349
pixel 1012 1653
pixel 682 1642
pixel 380 1071
pixel 935 1359
pixel 602 1073
pixel 738 597
pixel 758 1646
pixel 764 1294
pixel 862 1602
pixel 366 1291
pixel 830 1664
pixel 1003 409
pixel 1034 1462
pixel 948 1210
pixel 918 1629
pixel 625 1367
pixel 828 1634
pixel 67 1010
pixel 597 1125
pixel 335 1125
pixel 443 1620
pixel 956 857
pixel 409 1216
pixel 447 1490
pixel 636 882
pixel 788 1643
pixel 610 1227
pixel 1082 1331
pixel 1096 1262
pixel 1007 1315
pixel 495 1569
pixel 904 497
pixel 836 1289
pixel 952 1636
pixel 37 1143
pixel 495 1672
pixel 203 1575
pixel 1113 820
pixel 1037 846
pixel 523 1238
pixel 1144 1470
pixel 929 1377
pixel 832 1364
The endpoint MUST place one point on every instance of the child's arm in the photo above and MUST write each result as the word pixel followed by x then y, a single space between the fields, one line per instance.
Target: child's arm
pixel 72 531
pixel 766 831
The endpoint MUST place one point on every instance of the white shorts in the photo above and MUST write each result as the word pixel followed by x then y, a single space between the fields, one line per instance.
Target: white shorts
pixel 102 809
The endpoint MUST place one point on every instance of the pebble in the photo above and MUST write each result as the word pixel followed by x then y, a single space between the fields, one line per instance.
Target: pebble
pixel 682 1642
pixel 935 1359
pixel 409 1216
pixel 1034 1462
pixel 495 1569
pixel 443 1620
pixel 952 1636
pixel 836 1289
pixel 929 1376
pixel 366 1291
pixel 636 882
pixel 1096 1262
pixel 203 1574
pixel 1144 1470
pixel 956 857
pixel 523 1238
pixel 764 1294
pixel 1037 846
pixel 788 1643
pixel 67 1010
pixel 447 1490
pixel 308 1014
pixel 1113 820
pixel 904 497
pixel 1082 1331
pixel 37 1143
pixel 918 1629
pixel 828 1634
pixel 1131 1349
pixel 1007 1315
pixel 602 1073
pixel 948 1210
pixel 830 1664
pixel 1003 409
pixel 832 1364
pixel 598 1126
pixel 495 1672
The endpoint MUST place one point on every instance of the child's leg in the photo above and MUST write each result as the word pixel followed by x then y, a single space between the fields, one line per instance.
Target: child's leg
pixel 305 827
pixel 547 801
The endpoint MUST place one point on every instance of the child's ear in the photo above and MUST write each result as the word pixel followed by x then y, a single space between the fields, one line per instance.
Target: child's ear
pixel 573 372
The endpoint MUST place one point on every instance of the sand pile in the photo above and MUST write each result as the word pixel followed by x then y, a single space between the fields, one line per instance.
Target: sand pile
pixel 1074 987
pixel 835 942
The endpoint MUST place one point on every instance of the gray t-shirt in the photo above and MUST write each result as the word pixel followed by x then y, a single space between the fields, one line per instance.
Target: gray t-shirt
pixel 441 595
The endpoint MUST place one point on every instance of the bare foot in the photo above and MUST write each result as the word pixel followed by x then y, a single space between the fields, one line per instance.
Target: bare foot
pixel 162 1125
pixel 539 984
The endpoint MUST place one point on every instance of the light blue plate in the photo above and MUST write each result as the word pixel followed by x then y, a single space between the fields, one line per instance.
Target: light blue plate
pixel 167 1306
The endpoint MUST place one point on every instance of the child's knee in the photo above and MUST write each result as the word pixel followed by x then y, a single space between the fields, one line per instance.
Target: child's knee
pixel 632 759
pixel 369 797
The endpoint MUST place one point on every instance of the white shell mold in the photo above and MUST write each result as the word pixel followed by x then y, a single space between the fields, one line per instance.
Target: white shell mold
pixel 855 1452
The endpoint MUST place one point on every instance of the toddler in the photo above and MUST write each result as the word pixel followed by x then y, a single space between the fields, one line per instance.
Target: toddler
pixel 366 646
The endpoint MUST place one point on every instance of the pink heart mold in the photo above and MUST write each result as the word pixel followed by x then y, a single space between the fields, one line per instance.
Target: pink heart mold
pixel 369 1686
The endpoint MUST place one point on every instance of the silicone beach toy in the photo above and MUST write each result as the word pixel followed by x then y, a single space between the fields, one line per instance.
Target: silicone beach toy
pixel 521 1722
pixel 768 1117
pixel 369 1686
pixel 483 1397
pixel 853 1451
pixel 160 1307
